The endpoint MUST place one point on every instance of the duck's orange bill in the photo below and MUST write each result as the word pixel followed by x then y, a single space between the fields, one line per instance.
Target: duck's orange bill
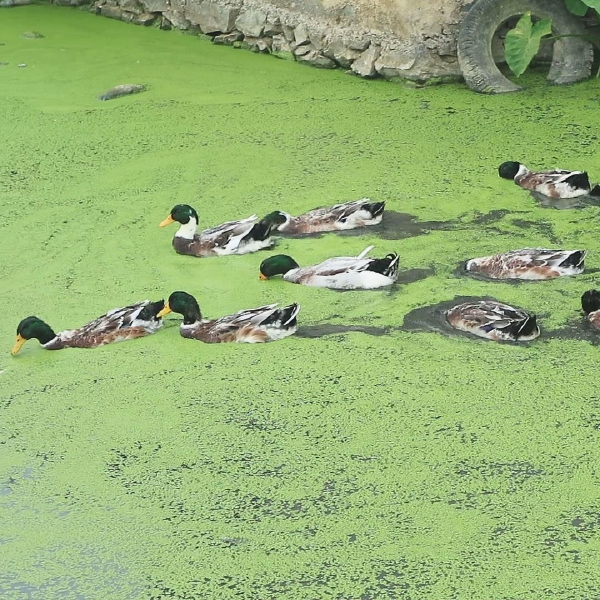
pixel 167 221
pixel 165 311
pixel 262 277
pixel 18 344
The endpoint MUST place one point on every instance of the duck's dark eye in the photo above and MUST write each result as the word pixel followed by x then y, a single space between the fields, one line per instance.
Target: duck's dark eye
pixel 343 220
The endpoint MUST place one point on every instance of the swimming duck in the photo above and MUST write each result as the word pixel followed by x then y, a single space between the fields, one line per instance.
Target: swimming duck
pixel 494 321
pixel 116 325
pixel 339 273
pixel 234 237
pixel 263 324
pixel 349 215
pixel 529 263
pixel 590 303
pixel 554 184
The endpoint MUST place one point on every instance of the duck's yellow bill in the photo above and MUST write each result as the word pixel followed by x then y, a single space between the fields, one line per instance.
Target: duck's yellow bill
pixel 167 221
pixel 165 311
pixel 18 344
pixel 262 277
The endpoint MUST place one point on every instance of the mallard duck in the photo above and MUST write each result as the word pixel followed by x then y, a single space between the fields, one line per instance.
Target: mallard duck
pixel 263 324
pixel 116 325
pixel 494 321
pixel 234 237
pixel 340 273
pixel 529 263
pixel 554 184
pixel 590 303
pixel 349 215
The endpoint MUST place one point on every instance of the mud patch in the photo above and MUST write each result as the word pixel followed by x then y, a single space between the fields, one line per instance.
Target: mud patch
pixel 576 329
pixel 542 227
pixel 318 331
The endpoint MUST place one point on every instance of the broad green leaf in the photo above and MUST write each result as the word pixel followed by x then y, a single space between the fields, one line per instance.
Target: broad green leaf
pixel 577 7
pixel 523 42
pixel 595 4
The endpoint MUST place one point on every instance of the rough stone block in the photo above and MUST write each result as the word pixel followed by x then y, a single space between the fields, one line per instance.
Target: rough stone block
pixel 211 17
pixel 393 62
pixel 302 50
pixel 364 65
pixel 316 59
pixel 131 6
pixel 113 12
pixel 155 5
pixel 339 51
pixel 301 36
pixel 251 23
pixel 273 27
pixel 228 39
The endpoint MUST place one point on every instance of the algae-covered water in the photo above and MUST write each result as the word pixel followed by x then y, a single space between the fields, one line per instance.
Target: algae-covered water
pixel 364 458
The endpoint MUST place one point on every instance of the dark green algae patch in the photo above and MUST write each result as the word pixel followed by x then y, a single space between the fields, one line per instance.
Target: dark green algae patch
pixel 351 466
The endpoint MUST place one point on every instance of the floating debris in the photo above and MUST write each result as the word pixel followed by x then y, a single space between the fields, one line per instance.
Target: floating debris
pixel 122 90
pixel 32 35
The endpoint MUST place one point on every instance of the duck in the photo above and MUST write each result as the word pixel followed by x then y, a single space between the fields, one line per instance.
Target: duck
pixel 529 264
pixel 554 184
pixel 339 217
pixel 119 324
pixel 233 237
pixel 254 325
pixel 494 321
pixel 590 304
pixel 339 273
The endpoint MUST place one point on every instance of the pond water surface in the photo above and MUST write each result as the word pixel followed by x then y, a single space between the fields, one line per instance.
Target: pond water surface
pixel 364 458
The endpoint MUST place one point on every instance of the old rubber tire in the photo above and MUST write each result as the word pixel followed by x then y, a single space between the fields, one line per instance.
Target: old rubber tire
pixel 571 60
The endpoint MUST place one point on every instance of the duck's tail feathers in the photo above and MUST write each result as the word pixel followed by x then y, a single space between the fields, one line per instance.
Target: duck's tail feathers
pixel 575 260
pixel 283 318
pixel 375 208
pixel 579 181
pixel 595 191
pixel 387 266
pixel 590 301
pixel 365 251
pixel 151 310
pixel 524 328
pixel 261 230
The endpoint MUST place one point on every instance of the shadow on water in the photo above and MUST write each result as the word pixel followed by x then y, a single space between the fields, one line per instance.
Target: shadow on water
pixel 433 318
pixel 576 329
pixel 565 203
pixel 317 331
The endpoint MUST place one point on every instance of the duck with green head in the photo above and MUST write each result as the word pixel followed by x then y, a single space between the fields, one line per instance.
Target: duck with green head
pixel 339 273
pixel 557 183
pixel 255 325
pixel 234 237
pixel 130 322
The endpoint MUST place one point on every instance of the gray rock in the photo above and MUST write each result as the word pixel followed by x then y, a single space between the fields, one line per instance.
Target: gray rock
pixel 360 44
pixel 364 65
pixel 301 36
pixel 394 62
pixel 288 32
pixel 317 37
pixel 265 44
pixel 31 35
pixel 316 59
pixel 281 48
pixel 302 50
pixel 273 28
pixel 175 18
pixel 122 90
pixel 144 18
pixel 132 6
pixel 228 39
pixel 62 2
pixel 340 51
pixel 113 12
pixel 155 5
pixel 10 3
pixel 212 17
pixel 251 23
pixel 256 44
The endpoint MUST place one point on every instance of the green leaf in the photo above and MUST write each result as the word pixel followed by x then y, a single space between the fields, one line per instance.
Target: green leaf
pixel 577 7
pixel 523 42
pixel 595 4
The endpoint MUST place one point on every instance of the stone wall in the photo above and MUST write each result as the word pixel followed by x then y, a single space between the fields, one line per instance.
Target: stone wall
pixel 409 39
